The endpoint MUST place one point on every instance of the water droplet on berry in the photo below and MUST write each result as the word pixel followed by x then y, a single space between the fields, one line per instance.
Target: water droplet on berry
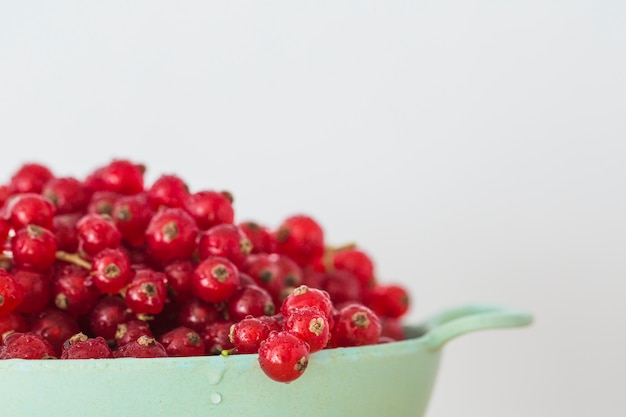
pixel 216 397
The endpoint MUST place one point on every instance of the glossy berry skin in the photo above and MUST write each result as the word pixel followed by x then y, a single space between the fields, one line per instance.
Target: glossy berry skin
pixel 171 234
pixel 275 322
pixel 262 239
pixel 209 208
pixel 119 176
pixel 168 191
pixel 144 347
pixel 179 274
pixel 146 293
pixel 80 346
pixel 67 194
pixel 64 228
pixel 357 263
pixel 11 293
pixel 225 240
pixel 96 233
pixel 131 215
pixel 248 334
pixel 131 330
pixel 182 341
pixel 215 336
pixel 309 325
pixel 55 326
pixel 26 346
pixel 355 325
pixel 301 238
pixel 34 247
pixel 276 273
pixel 305 297
pixel 198 314
pixel 250 300
pixel 12 323
pixel 37 287
pixel 102 202
pixel 111 270
pixel 25 209
pixel 30 178
pixel 342 286
pixel 388 300
pixel 215 279
pixel 107 314
pixel 73 290
pixel 283 357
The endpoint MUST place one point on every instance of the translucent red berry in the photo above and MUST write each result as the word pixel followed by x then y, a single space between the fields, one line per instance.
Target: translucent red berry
pixel 107 314
pixel 248 334
pixel 55 326
pixel 147 293
pixel 64 228
pixel 111 270
pixel 301 238
pixel 79 346
pixel 73 290
pixel 197 314
pixel 67 194
pixel 215 279
pixel 144 347
pixel 11 323
pixel 37 288
pixel 225 240
pixel 179 274
pixel 120 176
pixel 102 202
pixel 388 300
pixel 262 239
pixel 215 336
pixel 309 325
pixel 167 191
pixel 171 234
pixel 277 274
pixel 34 247
pixel 357 263
pixel 305 297
pixel 342 286
pixel 283 357
pixel 209 208
pixel 96 233
pixel 25 209
pixel 30 178
pixel 131 330
pixel 250 300
pixel 183 341
pixel 131 215
pixel 355 325
pixel 11 293
pixel 26 346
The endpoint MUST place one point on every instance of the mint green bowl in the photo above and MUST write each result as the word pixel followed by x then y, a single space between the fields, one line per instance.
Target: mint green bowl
pixel 393 379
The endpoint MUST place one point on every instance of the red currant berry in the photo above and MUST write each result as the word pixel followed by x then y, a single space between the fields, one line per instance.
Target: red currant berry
pixel 119 176
pixel 215 280
pixel 131 215
pixel 388 300
pixel 171 234
pixel 179 274
pixel 30 178
pixel 147 292
pixel 168 191
pixel 34 247
pixel 225 240
pixel 301 238
pixel 130 331
pixel 25 209
pixel 248 334
pixel 342 286
pixel 55 326
pixel 111 270
pixel 276 273
pixel 391 328
pixel 11 323
pixel 102 202
pixel 283 357
pixel 80 346
pixel 209 208
pixel 64 227
pixel 37 288
pixel 305 297
pixel 262 239
pixel 356 325
pixel 274 323
pixel 96 233
pixel 250 300
pixel 110 311
pixel 144 347
pixel 67 194
pixel 26 346
pixel 309 325
pixel 183 341
pixel 356 262
pixel 215 336
pixel 73 291
pixel 11 293
pixel 197 314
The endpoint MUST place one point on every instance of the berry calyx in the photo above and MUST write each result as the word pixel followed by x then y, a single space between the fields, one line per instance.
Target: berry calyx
pixel 171 234
pixel 283 357
pixel 80 346
pixel 111 271
pixel 215 279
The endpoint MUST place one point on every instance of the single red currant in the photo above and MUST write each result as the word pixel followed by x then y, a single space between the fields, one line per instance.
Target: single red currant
pixel 215 336
pixel 277 274
pixel 144 347
pixel 183 341
pixel 25 209
pixel 55 326
pixel 168 191
pixel 30 178
pixel 67 194
pixel 216 279
pixel 356 262
pixel 120 176
pixel 301 238
pixel 262 239
pixel 209 208
pixel 309 325
pixel 283 357
pixel 96 233
pixel 147 292
pixel 26 346
pixel 37 288
pixel 342 286
pixel 248 334
pixel 79 346
pixel 102 202
pixel 225 240
pixel 73 291
pixel 131 215
pixel 197 314
pixel 11 293
pixel 355 325
pixel 179 274
pixel 110 311
pixel 305 297
pixel 171 234
pixel 111 270
pixel 34 247
pixel 250 300
pixel 388 300
pixel 64 228
pixel 131 330
pixel 12 323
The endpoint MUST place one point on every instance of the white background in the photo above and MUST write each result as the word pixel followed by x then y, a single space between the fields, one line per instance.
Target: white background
pixel 477 151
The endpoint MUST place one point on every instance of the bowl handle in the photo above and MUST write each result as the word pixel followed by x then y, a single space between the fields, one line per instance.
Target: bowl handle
pixel 457 321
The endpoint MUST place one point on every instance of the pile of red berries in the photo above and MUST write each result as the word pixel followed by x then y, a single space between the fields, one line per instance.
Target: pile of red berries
pixel 106 267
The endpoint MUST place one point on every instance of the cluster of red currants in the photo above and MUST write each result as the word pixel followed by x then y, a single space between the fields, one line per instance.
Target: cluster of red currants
pixel 107 267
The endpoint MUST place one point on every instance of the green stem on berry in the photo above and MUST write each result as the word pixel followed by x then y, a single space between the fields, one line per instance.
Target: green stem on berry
pixel 227 352
pixel 72 258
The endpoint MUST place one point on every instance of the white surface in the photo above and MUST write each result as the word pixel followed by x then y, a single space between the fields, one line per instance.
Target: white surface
pixel 477 151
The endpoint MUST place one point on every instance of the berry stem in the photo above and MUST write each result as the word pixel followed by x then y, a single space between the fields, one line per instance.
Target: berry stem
pixel 72 258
